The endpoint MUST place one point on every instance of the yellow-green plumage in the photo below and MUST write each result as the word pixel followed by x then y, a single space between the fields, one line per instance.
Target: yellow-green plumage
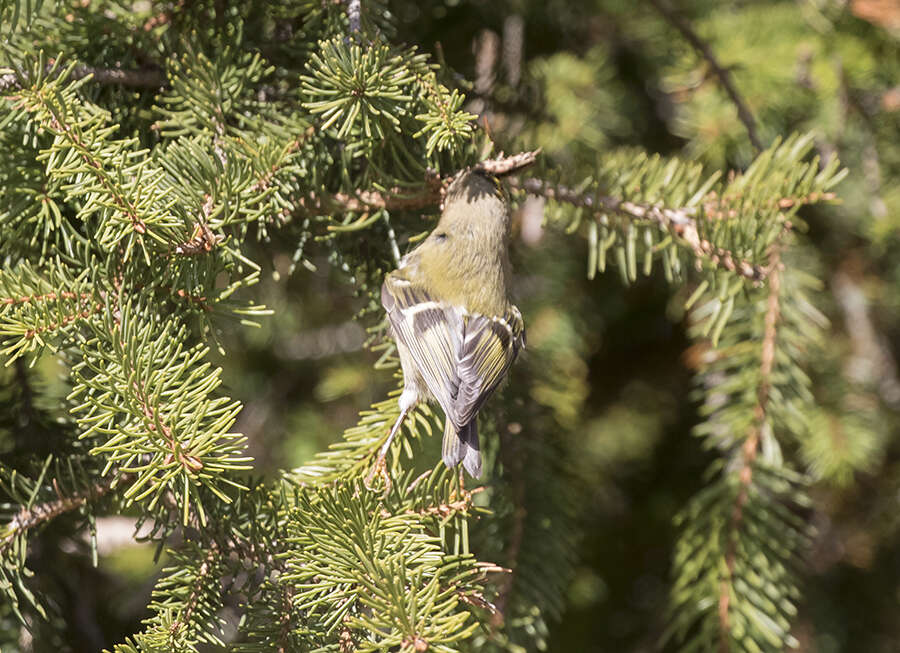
pixel 457 332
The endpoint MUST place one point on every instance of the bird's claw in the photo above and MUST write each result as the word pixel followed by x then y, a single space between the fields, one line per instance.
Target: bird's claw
pixel 379 468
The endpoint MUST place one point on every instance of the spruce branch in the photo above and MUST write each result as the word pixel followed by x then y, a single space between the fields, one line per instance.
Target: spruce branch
pixel 34 516
pixel 142 78
pixel 749 449
pixel 151 395
pixel 724 75
pixel 105 177
pixel 736 557
pixel 197 588
pixel 71 134
pixel 41 308
pixel 680 222
pixel 399 199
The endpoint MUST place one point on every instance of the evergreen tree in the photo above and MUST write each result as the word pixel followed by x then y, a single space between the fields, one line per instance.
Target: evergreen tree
pixel 172 176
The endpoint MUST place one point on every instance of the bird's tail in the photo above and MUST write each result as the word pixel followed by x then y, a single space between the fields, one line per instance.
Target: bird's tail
pixel 462 446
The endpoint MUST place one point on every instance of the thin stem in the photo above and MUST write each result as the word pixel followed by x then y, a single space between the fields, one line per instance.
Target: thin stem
pixel 29 518
pixel 681 222
pixel 705 51
pixel 750 448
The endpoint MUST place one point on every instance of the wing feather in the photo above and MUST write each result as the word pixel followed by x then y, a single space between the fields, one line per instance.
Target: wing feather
pixel 489 347
pixel 461 357
pixel 432 333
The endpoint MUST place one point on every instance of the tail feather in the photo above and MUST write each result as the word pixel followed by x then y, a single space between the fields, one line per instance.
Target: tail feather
pixel 462 446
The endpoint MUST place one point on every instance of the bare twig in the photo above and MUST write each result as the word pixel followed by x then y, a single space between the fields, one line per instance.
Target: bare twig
pixel 504 165
pixel 398 199
pixel 703 49
pixel 149 78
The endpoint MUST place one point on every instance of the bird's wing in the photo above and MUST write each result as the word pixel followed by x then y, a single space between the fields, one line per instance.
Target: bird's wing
pixel 488 348
pixel 431 331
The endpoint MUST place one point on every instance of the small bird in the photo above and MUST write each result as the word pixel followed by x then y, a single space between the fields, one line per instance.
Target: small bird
pixel 448 305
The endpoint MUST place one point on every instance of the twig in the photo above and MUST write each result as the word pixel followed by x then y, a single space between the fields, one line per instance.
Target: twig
pixel 196 590
pixel 504 165
pixel 702 48
pixel 149 78
pixel 287 610
pixel 398 199
pixel 679 221
pixel 28 518
pixel 750 447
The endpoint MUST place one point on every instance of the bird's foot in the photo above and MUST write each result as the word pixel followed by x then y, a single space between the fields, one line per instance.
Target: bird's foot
pixel 378 469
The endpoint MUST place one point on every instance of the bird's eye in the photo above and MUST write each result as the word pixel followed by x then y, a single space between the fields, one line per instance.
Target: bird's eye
pixel 441 236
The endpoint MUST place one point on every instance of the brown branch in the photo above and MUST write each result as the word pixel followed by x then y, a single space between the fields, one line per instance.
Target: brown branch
pixel 704 50
pixel 120 200
pixel 750 448
pixel 286 612
pixel 65 321
pixel 679 222
pixel 196 590
pixel 504 165
pixel 152 419
pixel 28 518
pixel 149 78
pixel 319 204
pixel 399 199
pixel 51 296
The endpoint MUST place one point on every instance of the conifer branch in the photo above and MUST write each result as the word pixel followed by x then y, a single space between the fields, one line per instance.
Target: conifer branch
pixel 724 75
pixel 144 78
pixel 59 125
pixel 37 515
pixel 751 444
pixel 64 321
pixel 399 199
pixel 199 585
pixel 505 165
pixel 680 222
pixel 287 610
